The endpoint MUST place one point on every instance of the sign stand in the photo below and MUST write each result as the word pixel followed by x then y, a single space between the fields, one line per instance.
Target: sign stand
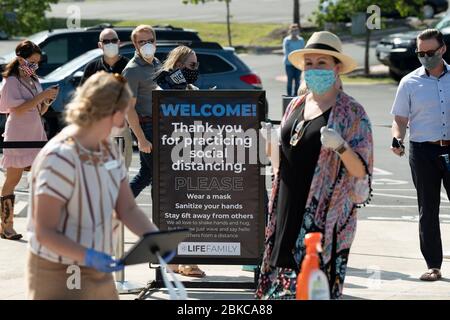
pixel 158 283
pixel 122 286
pixel 205 165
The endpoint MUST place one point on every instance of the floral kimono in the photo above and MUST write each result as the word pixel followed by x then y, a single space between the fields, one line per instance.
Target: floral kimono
pixel 331 205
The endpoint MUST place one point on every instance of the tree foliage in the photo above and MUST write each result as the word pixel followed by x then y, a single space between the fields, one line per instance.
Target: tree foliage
pixel 24 17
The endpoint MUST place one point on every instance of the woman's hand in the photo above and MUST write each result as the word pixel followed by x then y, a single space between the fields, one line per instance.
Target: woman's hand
pixel 102 262
pixel 331 139
pixel 49 94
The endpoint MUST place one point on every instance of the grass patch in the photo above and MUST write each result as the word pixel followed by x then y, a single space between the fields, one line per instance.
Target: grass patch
pixel 243 34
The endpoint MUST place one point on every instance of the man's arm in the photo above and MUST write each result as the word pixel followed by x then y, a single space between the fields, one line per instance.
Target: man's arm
pixel 133 120
pixel 133 79
pixel 400 110
pixel 399 126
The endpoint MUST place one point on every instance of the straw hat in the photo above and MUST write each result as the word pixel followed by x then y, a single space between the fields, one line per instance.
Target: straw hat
pixel 323 42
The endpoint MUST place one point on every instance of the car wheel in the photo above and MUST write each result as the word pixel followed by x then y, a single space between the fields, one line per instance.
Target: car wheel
pixel 394 75
pixel 428 11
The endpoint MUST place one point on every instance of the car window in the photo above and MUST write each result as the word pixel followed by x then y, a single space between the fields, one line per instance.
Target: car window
pixel 81 43
pixel 176 35
pixel 210 63
pixel 57 50
pixel 124 36
pixel 73 65
pixel 444 23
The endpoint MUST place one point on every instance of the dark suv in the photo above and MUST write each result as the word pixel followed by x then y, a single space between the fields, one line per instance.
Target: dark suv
pixel 62 45
pixel 397 51
pixel 220 68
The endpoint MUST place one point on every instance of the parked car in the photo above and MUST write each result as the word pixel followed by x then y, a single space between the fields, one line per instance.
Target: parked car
pixel 3 35
pixel 219 68
pixel 429 9
pixel 397 51
pixel 62 45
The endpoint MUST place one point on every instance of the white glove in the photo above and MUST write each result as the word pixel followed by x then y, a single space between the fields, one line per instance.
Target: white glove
pixel 331 139
pixel 265 127
pixel 271 135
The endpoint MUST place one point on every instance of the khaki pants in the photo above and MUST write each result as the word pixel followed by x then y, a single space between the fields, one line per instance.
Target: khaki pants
pixel 48 280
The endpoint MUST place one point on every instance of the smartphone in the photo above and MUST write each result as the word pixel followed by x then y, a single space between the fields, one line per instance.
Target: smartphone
pixel 396 143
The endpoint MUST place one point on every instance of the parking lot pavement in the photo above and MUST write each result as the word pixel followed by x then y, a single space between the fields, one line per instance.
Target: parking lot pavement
pixel 385 259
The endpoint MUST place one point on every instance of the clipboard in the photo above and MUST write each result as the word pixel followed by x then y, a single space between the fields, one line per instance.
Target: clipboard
pixel 144 250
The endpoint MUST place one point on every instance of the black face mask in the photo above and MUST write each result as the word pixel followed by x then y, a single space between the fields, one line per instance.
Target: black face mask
pixel 191 76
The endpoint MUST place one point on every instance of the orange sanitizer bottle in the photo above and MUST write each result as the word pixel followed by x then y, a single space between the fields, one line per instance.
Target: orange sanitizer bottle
pixel 312 283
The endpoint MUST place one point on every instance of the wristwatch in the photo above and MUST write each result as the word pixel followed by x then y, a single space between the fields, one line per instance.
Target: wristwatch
pixel 341 149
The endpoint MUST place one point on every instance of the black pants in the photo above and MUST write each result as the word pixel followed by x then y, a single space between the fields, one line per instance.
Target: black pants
pixel 428 173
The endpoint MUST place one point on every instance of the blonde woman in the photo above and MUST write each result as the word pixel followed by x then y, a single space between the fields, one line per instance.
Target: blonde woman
pixel 78 180
pixel 181 63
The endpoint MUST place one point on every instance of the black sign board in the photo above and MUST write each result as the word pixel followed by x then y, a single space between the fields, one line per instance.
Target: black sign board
pixel 207 173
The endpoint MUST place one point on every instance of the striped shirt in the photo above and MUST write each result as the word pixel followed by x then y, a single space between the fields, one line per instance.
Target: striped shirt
pixel 88 185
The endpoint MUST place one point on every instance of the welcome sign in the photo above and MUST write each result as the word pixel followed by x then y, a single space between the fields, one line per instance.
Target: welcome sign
pixel 207 174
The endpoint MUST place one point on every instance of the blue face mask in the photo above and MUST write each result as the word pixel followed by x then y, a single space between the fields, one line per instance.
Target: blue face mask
pixel 319 81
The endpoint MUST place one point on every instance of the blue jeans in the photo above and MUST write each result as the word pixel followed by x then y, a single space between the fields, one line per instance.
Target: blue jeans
pixel 293 75
pixel 144 177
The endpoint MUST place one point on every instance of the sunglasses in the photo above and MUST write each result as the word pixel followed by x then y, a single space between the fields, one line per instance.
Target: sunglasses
pixel 108 41
pixel 144 42
pixel 429 53
pixel 297 131
pixel 123 81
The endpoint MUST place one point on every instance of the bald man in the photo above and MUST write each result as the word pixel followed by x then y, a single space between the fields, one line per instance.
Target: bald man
pixel 111 62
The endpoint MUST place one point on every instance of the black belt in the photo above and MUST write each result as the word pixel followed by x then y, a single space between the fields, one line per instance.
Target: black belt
pixel 442 143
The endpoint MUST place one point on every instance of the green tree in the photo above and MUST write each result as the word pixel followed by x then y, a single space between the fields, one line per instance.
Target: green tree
pixel 227 4
pixel 340 10
pixel 24 17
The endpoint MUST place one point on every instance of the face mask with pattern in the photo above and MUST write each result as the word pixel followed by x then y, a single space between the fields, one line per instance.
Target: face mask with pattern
pixel 319 81
pixel 29 68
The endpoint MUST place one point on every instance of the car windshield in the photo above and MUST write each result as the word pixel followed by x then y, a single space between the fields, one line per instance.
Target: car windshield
pixel 73 65
pixel 444 23
pixel 36 38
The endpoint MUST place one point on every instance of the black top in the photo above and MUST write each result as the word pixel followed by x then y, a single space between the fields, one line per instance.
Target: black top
pixel 100 65
pixel 297 165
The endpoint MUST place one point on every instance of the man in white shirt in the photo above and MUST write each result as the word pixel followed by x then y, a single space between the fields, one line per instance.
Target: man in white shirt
pixel 423 102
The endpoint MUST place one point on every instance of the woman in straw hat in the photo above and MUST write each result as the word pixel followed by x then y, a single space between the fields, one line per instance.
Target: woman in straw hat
pixel 325 172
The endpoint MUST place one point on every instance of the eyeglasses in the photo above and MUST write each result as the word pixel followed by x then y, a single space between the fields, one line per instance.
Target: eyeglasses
pixel 299 128
pixel 144 42
pixel 108 41
pixel 123 81
pixel 429 53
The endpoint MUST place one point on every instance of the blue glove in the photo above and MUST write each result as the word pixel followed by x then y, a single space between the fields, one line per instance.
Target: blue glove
pixel 101 261
pixel 168 256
